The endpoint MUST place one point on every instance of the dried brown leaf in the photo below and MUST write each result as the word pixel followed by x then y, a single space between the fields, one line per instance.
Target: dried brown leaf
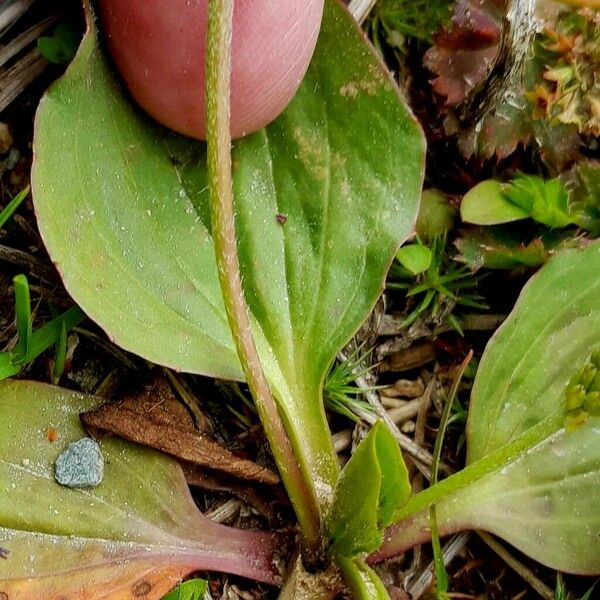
pixel 157 419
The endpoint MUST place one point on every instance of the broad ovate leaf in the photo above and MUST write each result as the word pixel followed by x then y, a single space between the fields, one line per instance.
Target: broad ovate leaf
pixel 485 204
pixel 529 479
pixel 415 258
pixel 324 196
pixel 134 536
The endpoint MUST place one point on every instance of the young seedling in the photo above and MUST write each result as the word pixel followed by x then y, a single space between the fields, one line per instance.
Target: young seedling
pixel 31 344
pixel 432 284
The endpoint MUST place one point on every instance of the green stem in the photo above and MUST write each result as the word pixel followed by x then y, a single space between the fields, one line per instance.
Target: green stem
pixel 362 581
pixel 218 75
pixel 411 524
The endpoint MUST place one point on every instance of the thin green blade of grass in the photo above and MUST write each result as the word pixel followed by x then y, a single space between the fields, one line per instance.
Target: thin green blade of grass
pixel 49 333
pixel 60 354
pixel 24 318
pixel 10 208
pixel 41 340
pixel 441 576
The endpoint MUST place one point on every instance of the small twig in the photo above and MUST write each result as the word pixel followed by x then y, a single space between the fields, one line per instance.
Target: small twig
pixel 409 410
pixel 108 385
pixel 360 9
pixel 110 348
pixel 450 551
pixel 201 421
pixel 518 567
pixel 28 263
pixel 20 75
pixel 419 434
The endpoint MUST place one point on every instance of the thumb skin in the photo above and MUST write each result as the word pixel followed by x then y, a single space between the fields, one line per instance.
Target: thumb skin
pixel 159 49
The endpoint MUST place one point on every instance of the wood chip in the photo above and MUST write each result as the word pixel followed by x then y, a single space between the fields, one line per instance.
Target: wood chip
pixel 404 388
pixel 157 419
pixel 410 358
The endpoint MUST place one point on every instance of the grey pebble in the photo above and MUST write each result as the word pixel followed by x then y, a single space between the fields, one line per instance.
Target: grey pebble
pixel 80 465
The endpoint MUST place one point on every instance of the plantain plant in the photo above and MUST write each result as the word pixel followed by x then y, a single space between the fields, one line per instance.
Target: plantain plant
pixel 258 261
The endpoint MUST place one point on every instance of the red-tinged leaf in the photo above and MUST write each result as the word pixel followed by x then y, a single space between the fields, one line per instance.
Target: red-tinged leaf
pixel 463 55
pixel 133 536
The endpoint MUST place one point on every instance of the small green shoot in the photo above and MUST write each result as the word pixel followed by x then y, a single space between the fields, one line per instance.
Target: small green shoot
pixel 415 258
pixel 60 47
pixel 436 216
pixel 356 521
pixel 526 196
pixel 23 317
pixel 485 204
pixel 436 288
pixel 561 592
pixel 10 208
pixel 189 590
pixel 340 393
pixel 60 354
pixel 441 576
pixel 362 581
pixel 31 344
pixel 546 201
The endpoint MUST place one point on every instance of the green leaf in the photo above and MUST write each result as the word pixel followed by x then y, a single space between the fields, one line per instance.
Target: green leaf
pixel 139 529
pixel 546 202
pixel 40 341
pixel 583 183
pixel 356 520
pixel 486 204
pixel 503 248
pixel 60 47
pixel 529 480
pixel 23 317
pixel 190 590
pixel 436 216
pixel 416 258
pixel 122 205
pixel 362 581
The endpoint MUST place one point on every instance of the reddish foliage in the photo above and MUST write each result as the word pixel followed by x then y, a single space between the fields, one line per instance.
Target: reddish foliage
pixel 462 55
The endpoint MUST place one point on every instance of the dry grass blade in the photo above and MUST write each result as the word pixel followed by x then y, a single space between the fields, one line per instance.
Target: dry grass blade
pixel 421 456
pixel 20 75
pixel 28 263
pixel 11 11
pixel 360 9
pixel 24 39
pixel 423 581
pixel 518 567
